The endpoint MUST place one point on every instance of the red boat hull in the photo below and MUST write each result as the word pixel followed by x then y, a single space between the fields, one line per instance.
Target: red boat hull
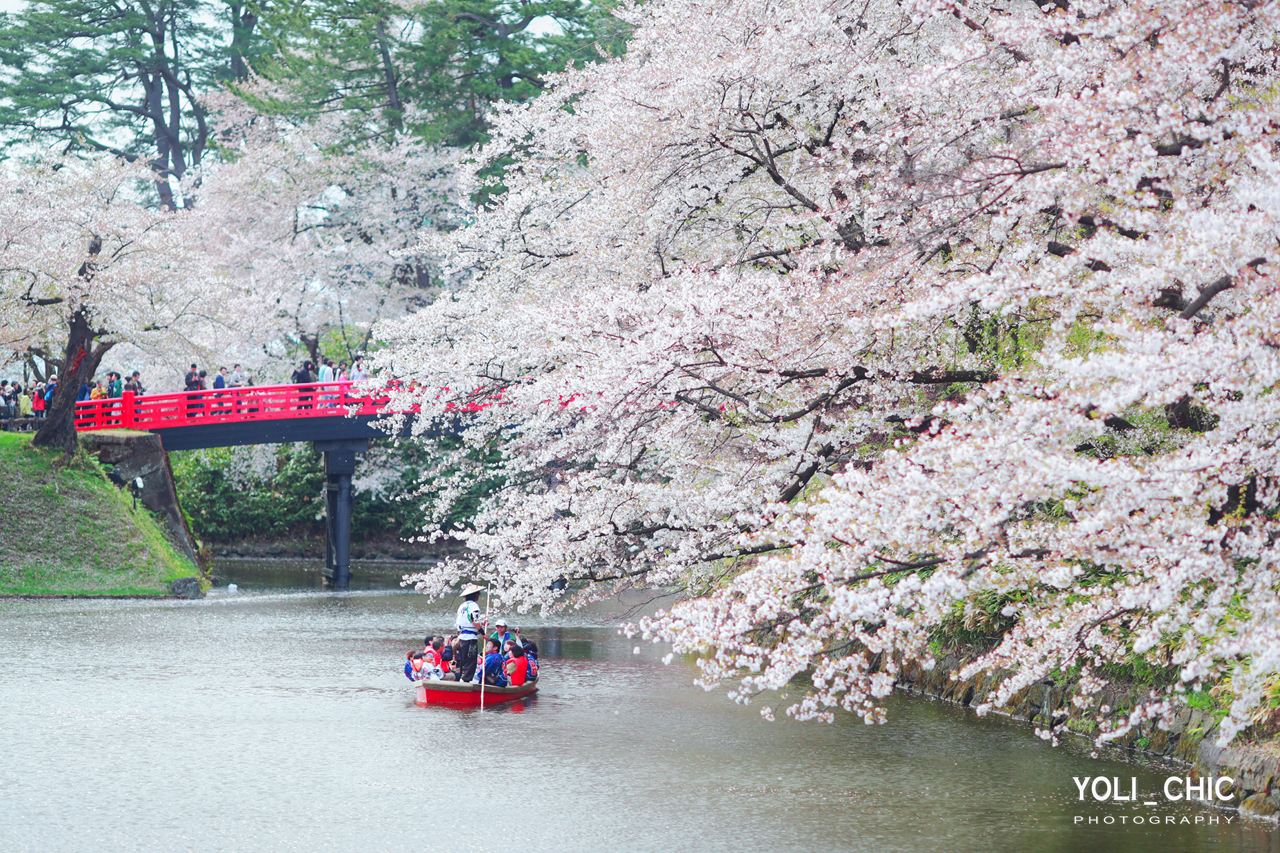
pixel 467 695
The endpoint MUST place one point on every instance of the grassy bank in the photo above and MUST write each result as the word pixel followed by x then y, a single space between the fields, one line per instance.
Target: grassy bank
pixel 65 529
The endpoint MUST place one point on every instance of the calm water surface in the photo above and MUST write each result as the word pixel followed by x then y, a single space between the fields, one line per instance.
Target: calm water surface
pixel 278 720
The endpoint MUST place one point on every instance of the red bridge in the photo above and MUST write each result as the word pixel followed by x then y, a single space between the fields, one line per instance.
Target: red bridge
pixel 332 411
pixel 334 415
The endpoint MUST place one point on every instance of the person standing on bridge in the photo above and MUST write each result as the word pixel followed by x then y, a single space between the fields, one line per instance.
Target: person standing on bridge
pixel 326 375
pixel 304 376
pixel 191 382
pixel 470 625
pixel 236 379
pixel 220 384
pixel 193 402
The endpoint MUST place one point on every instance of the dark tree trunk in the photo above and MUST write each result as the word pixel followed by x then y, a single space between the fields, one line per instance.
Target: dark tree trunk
pixel 312 343
pixel 83 358
pixel 243 22
pixel 389 74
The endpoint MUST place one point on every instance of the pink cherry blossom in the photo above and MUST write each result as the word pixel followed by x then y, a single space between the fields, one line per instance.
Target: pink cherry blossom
pixel 859 320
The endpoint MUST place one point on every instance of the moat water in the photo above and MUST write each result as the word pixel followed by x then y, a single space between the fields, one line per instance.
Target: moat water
pixel 277 719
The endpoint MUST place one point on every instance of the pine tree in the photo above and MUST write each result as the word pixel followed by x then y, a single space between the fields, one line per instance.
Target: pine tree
pixel 120 76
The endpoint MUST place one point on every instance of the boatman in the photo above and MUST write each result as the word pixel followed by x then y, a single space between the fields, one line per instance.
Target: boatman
pixel 469 629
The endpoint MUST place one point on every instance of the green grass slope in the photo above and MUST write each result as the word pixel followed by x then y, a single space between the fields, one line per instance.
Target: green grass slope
pixel 65 529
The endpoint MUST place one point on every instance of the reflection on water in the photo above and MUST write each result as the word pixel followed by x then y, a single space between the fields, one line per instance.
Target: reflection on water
pixel 279 720
pixel 307 574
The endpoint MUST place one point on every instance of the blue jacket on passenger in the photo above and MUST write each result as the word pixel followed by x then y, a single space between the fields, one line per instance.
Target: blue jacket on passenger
pixel 493 674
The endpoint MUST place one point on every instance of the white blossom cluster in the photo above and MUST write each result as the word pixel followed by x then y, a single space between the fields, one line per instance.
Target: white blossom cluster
pixel 289 232
pixel 73 237
pixel 315 225
pixel 859 318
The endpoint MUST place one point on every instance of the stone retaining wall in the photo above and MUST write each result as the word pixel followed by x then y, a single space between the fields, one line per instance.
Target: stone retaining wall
pixel 1255 768
pixel 137 455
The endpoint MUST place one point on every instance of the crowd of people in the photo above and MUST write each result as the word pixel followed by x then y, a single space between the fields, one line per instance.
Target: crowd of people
pixel 35 398
pixel 29 401
pixel 308 373
pixel 115 385
pixel 198 380
pixel 508 659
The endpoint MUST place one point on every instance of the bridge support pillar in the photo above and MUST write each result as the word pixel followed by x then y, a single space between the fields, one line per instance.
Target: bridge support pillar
pixel 339 465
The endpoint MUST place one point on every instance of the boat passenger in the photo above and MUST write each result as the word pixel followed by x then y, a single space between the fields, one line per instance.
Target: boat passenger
pixel 426 645
pixel 416 663
pixel 502 634
pixel 430 658
pixel 439 649
pixel 493 674
pixel 531 655
pixel 430 669
pixel 408 665
pixel 517 666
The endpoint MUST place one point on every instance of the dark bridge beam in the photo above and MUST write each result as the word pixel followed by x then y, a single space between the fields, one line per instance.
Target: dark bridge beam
pixel 292 429
pixel 279 431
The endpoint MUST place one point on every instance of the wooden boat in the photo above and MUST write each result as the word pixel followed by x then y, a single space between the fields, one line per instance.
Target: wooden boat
pixel 467 695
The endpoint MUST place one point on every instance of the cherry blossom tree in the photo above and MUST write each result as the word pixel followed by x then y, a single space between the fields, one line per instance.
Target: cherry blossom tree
pixel 859 320
pixel 320 223
pixel 84 267
pixel 121 77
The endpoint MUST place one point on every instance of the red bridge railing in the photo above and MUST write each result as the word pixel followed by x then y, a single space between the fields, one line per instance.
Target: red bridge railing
pixel 226 405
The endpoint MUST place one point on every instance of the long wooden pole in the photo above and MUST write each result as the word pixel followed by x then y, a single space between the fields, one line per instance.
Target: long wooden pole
pixel 484 639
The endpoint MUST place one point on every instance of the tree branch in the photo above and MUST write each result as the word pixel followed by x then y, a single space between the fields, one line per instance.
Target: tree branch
pixel 1207 293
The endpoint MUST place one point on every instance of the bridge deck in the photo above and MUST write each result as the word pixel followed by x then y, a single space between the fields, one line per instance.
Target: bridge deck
pixel 268 414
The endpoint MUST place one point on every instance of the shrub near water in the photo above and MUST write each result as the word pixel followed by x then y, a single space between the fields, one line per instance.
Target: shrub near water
pixel 277 491
pixel 64 528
